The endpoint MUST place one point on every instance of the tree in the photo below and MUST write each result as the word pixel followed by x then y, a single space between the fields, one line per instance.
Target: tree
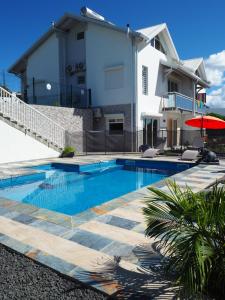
pixel 191 232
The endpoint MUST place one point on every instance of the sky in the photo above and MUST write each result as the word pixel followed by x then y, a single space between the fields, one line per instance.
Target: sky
pixel 196 26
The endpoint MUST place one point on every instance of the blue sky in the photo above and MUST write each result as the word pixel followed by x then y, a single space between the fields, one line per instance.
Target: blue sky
pixel 197 27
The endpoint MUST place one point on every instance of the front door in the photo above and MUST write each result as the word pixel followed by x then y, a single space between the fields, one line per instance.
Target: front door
pixel 171 132
pixel 150 132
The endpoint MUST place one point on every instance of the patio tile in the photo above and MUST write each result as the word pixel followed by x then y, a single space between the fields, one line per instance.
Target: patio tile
pixel 7 202
pixel 23 208
pixel 11 214
pixel 90 240
pixel 118 221
pixel 49 227
pixel 140 228
pixel 115 233
pixel 52 216
pixel 118 249
pixel 15 245
pixel 25 219
pixel 54 262
pixel 4 211
pixel 96 279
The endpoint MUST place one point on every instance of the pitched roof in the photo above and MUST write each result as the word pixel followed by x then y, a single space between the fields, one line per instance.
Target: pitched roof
pixel 151 32
pixel 179 66
pixel 64 24
pixel 192 63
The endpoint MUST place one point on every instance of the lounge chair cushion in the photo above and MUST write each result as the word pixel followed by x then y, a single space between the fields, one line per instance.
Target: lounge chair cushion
pixel 150 152
pixel 189 155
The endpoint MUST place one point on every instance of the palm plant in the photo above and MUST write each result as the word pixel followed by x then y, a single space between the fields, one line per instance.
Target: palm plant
pixel 190 228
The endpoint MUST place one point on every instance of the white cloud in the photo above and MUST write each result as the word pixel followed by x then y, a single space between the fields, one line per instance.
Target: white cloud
pixel 216 98
pixel 215 71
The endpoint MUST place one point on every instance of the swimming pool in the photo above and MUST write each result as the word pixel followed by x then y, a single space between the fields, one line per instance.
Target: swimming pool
pixel 71 189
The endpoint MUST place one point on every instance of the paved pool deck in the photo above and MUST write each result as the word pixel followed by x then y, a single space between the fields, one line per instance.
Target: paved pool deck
pixel 105 246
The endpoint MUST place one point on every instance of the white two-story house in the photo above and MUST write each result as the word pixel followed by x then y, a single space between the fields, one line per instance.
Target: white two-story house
pixel 134 81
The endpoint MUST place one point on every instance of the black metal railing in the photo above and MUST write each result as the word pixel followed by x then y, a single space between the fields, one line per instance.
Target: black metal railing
pixel 171 142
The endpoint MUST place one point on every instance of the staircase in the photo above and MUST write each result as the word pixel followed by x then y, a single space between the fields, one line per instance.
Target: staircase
pixel 26 118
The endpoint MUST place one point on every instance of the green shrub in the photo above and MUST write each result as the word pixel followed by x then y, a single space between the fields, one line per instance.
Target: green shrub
pixel 68 151
pixel 191 230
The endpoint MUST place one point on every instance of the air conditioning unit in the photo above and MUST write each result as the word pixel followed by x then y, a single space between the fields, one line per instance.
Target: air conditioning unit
pixel 80 67
pixel 97 113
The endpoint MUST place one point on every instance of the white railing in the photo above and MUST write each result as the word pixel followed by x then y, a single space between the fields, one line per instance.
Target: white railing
pixel 31 119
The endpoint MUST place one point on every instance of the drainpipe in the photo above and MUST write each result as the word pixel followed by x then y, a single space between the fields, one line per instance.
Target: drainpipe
pixel 194 95
pixel 134 98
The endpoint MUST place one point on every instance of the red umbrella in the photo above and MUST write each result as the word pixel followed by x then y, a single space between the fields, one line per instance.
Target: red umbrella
pixel 207 122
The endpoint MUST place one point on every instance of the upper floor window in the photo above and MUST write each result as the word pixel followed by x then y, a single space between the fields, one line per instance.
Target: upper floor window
pixel 81 79
pixel 80 35
pixel 114 77
pixel 156 43
pixel 144 80
pixel 172 86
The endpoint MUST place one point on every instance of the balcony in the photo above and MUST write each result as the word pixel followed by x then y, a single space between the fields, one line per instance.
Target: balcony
pixel 176 101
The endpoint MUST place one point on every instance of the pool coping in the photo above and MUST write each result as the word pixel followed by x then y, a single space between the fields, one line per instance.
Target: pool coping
pixel 199 176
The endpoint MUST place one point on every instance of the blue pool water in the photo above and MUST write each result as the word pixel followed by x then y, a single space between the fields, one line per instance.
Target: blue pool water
pixel 71 189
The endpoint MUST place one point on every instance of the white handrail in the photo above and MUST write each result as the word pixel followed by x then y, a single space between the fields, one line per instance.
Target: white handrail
pixel 31 118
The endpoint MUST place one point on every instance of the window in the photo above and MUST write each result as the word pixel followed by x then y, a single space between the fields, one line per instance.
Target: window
pixel 80 35
pixel 114 77
pixel 144 80
pixel 172 86
pixel 115 126
pixel 156 43
pixel 114 123
pixel 81 79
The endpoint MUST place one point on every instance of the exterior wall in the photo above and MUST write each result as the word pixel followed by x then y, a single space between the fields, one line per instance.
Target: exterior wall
pixel 157 86
pixel 113 143
pixel 185 84
pixel 44 64
pixel 16 146
pixel 107 48
pixel 75 121
pixel 75 52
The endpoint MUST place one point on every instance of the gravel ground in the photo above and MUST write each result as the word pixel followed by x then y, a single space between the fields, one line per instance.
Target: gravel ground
pixel 22 278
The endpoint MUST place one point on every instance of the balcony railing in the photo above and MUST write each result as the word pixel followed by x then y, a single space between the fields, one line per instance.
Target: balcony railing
pixel 174 101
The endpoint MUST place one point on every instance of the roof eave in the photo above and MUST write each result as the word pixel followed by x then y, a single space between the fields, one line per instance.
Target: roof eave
pixel 58 25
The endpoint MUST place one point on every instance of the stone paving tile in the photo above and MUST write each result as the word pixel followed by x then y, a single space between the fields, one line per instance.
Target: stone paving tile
pixel 15 244
pixel 11 214
pixel 96 280
pixel 23 208
pixel 140 228
pixel 115 233
pixel 53 217
pixel 4 211
pixel 118 249
pixel 54 262
pixel 25 219
pixel 7 202
pixel 90 240
pixel 118 221
pixel 49 227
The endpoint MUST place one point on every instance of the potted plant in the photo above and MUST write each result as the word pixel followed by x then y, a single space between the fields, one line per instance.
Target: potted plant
pixel 68 152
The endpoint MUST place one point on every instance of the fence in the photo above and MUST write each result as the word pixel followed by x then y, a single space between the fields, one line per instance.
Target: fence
pixel 46 92
pixel 169 141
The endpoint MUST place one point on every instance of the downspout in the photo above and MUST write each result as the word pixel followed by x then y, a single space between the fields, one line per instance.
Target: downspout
pixel 134 97
pixel 194 95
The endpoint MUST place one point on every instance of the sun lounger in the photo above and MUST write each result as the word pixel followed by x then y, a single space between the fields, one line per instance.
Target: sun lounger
pixel 151 153
pixel 190 155
pixel 197 144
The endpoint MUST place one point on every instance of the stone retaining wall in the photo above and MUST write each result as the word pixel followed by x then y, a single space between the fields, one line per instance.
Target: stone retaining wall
pixel 75 121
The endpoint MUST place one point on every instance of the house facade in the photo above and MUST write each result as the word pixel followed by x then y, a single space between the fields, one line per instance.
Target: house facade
pixel 133 81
